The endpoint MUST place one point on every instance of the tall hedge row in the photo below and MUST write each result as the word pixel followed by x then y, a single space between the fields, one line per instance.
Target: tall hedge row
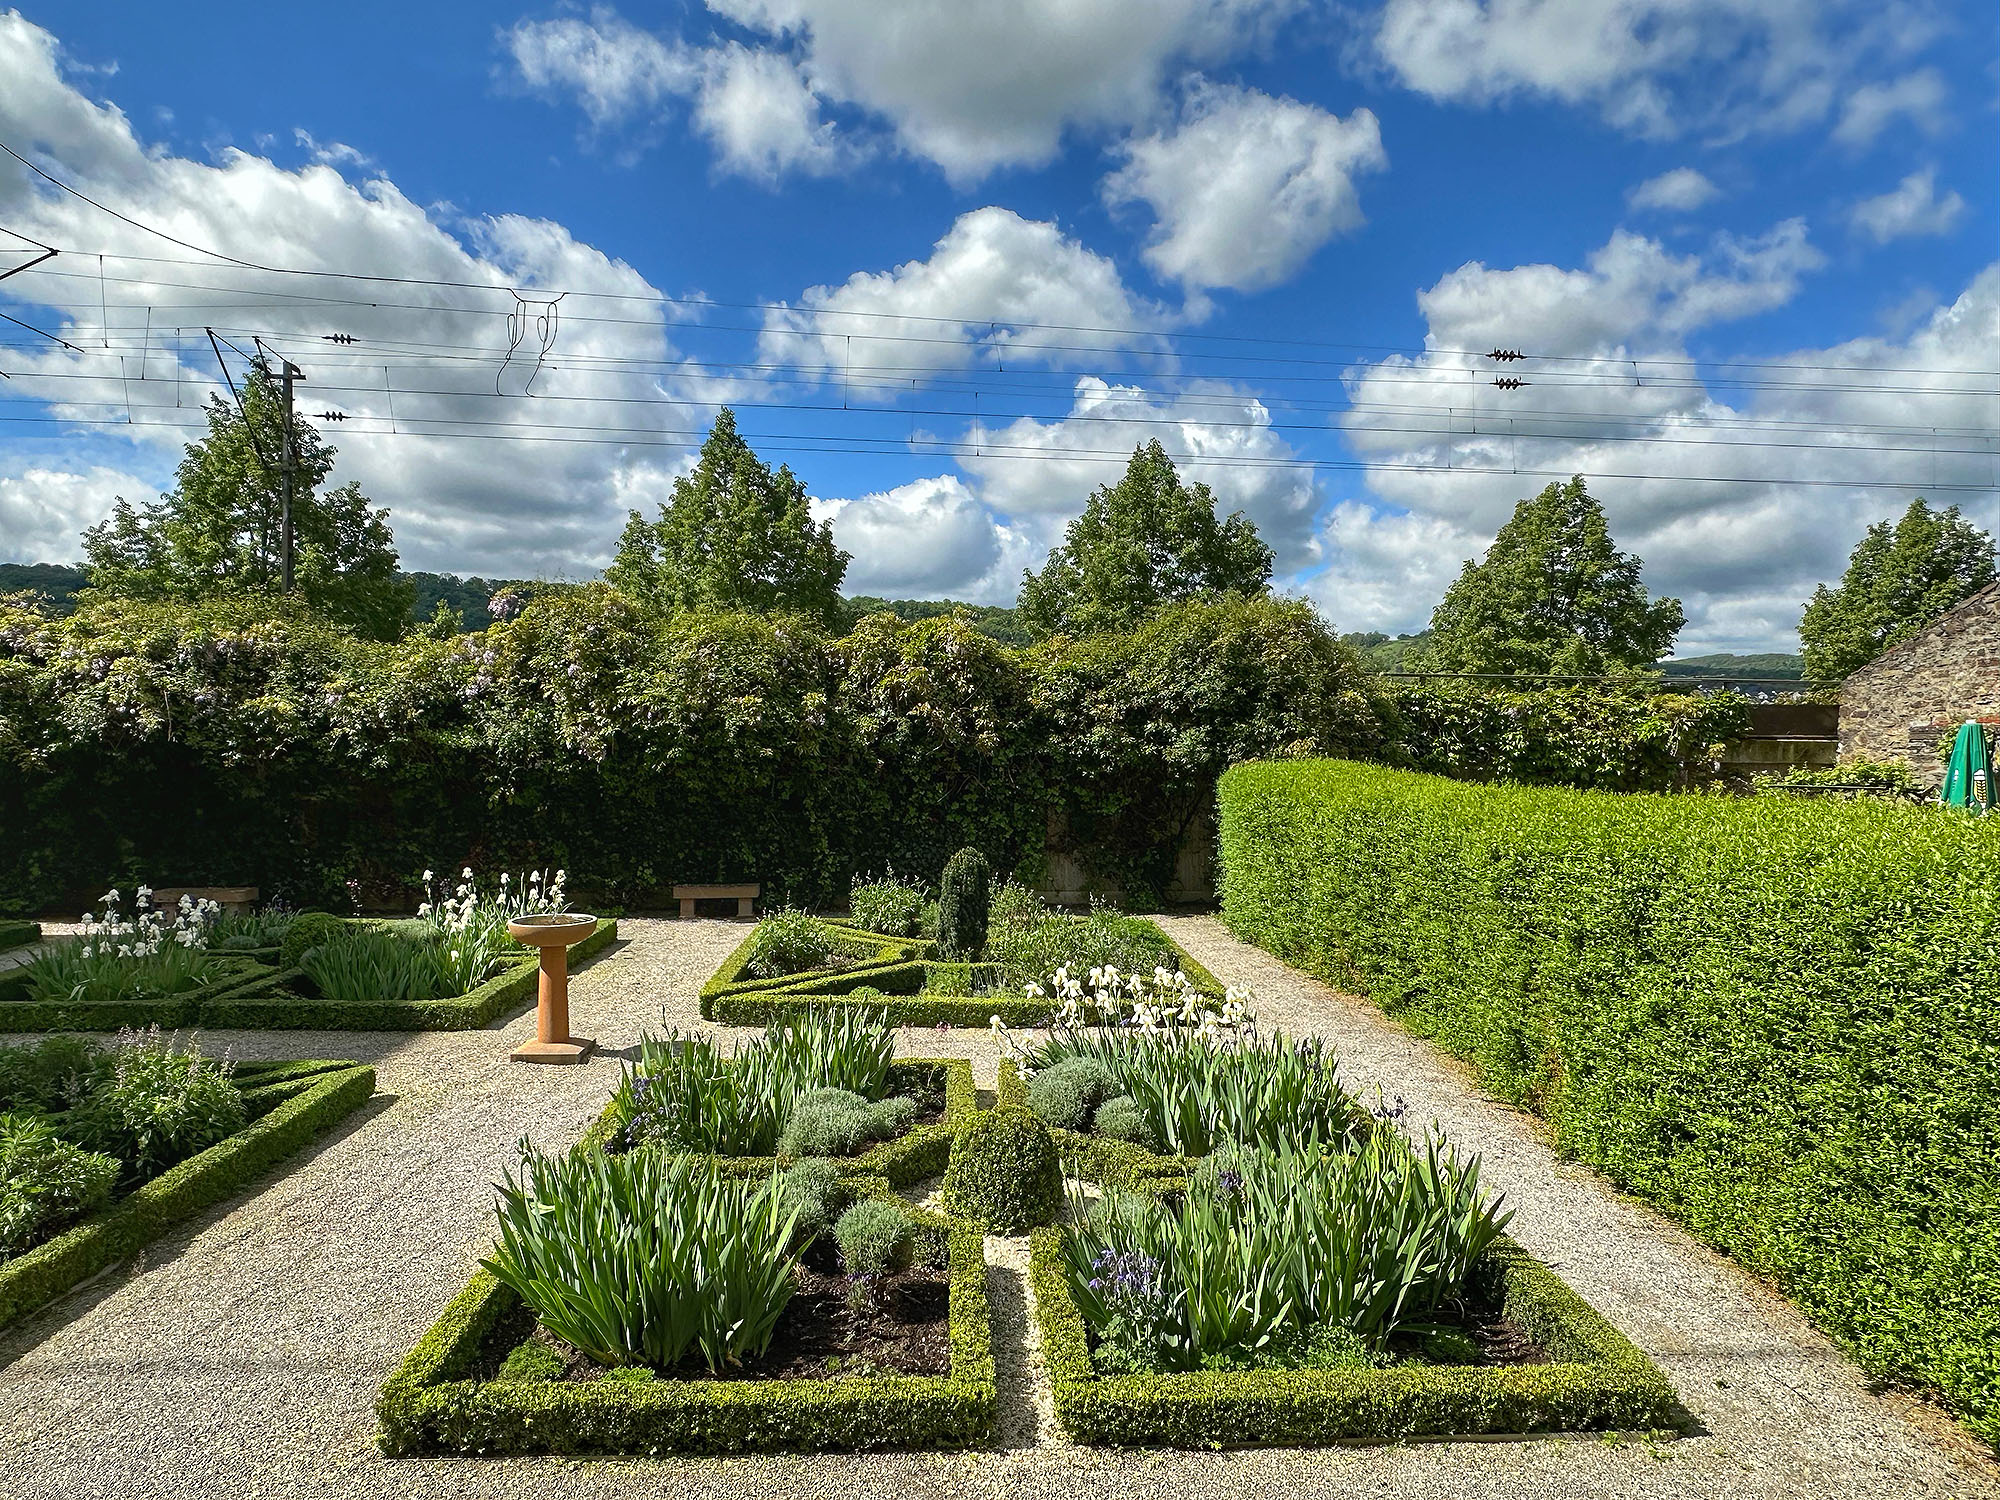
pixel 238 742
pixel 1779 1021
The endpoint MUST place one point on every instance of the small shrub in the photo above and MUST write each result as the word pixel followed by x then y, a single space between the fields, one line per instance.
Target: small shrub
pixel 162 1103
pixel 964 902
pixel 1035 949
pixel 46 1183
pixel 892 905
pixel 1004 1176
pixel 308 930
pixel 874 1238
pixel 834 1122
pixel 788 942
pixel 1067 1095
pixel 810 1191
pixel 645 1258
pixel 53 1074
pixel 358 967
pixel 1123 1118
pixel 531 1359
pixel 262 929
pixel 1015 905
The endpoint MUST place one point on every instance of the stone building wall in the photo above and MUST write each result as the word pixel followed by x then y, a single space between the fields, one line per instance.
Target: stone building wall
pixel 1897 706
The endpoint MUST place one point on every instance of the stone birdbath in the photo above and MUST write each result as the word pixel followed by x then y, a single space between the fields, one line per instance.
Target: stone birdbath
pixel 553 933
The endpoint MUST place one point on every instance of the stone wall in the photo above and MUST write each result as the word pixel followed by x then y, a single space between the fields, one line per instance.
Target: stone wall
pixel 1897 706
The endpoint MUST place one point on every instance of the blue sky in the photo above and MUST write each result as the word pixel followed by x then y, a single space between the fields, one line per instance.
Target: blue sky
pixel 951 260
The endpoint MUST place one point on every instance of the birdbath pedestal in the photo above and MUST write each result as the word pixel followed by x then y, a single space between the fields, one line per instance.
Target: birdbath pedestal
pixel 553 933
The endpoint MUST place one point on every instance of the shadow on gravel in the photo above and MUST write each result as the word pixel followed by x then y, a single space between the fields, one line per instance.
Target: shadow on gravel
pixel 22 1337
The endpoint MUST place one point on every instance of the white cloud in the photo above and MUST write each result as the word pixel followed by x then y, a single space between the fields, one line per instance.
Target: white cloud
pixel 1871 108
pixel 988 281
pixel 1681 191
pixel 753 105
pixel 928 539
pixel 976 85
pixel 40 509
pixel 1657 68
pixel 508 501
pixel 1739 496
pixel 1911 208
pixel 1246 187
pixel 1045 470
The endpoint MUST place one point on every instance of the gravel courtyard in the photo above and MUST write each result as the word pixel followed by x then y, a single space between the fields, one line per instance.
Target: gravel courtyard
pixel 241 1358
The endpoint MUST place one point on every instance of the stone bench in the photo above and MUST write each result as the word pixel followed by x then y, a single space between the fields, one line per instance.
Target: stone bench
pixel 742 895
pixel 236 900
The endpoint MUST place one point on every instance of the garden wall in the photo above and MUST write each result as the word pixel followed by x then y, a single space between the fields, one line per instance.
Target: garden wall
pixel 1774 1019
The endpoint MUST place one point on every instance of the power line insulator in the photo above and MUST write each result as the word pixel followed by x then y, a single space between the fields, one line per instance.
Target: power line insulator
pixel 1506 356
pixel 1509 382
pixel 331 416
pixel 340 338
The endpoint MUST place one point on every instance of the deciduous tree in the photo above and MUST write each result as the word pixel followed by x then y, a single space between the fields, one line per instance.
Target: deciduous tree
pixel 1899 578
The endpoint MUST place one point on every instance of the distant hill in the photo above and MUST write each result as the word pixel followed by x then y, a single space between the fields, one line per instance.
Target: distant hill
pixel 469 596
pixel 57 582
pixel 1386 653
pixel 988 619
pixel 1728 664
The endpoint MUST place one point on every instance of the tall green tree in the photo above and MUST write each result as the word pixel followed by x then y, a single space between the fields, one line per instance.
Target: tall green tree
pixel 218 530
pixel 1899 578
pixel 1145 541
pixel 1553 594
pixel 735 536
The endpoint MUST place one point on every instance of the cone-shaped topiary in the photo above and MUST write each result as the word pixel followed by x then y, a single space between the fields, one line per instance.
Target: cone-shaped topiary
pixel 1004 1176
pixel 964 899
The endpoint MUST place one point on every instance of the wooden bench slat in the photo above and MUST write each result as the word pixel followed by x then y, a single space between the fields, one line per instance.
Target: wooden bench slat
pixel 743 894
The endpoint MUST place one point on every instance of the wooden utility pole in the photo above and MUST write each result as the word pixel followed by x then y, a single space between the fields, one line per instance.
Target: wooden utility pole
pixel 289 467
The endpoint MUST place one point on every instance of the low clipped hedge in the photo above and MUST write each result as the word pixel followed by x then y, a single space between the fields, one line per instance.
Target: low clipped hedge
pixel 14 934
pixel 1596 1381
pixel 901 979
pixel 254 997
pixel 1773 1019
pixel 919 1153
pixel 432 1403
pixel 1096 1158
pixel 289 1104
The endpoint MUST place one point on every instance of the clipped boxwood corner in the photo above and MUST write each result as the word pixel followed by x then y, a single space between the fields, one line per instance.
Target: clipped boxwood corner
pixel 1004 1174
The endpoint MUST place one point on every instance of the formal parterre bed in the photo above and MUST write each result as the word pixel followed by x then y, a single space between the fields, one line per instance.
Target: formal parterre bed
pixel 454 967
pixel 1774 1019
pixel 956 957
pixel 106 1145
pixel 1261 1258
pixel 18 932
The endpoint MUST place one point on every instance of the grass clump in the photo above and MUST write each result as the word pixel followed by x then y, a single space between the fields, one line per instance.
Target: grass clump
pixel 1285 1257
pixel 358 966
pixel 788 942
pixel 647 1260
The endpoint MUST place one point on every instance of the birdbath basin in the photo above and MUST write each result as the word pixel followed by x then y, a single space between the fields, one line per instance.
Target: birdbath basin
pixel 553 933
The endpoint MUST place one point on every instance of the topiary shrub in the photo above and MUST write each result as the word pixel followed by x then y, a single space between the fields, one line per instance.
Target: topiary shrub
pixel 874 1238
pixel 1004 1177
pixel 964 901
pixel 1123 1118
pixel 1066 1095
pixel 833 1122
pixel 308 930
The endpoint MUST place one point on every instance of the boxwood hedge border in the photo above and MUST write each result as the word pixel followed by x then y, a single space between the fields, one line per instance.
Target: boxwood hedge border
pixel 250 1000
pixel 1099 1159
pixel 899 968
pixel 16 934
pixel 1598 1380
pixel 429 1406
pixel 290 1104
pixel 919 1153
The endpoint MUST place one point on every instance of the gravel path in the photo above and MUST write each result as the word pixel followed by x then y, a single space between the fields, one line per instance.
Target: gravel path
pixel 243 1356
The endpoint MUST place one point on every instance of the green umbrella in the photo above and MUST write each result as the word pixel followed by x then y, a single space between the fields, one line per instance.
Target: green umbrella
pixel 1968 776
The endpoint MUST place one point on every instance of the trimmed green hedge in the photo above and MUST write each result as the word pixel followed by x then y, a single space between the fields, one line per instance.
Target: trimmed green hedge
pixel 1095 1158
pixel 432 1405
pixel 288 1105
pixel 918 1153
pixel 916 990
pixel 1774 1019
pixel 14 934
pixel 254 998
pixel 1597 1379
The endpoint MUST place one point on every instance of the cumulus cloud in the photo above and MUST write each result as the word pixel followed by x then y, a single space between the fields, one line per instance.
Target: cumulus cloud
pixel 40 509
pixel 1871 108
pixel 1246 187
pixel 1911 208
pixel 1654 67
pixel 753 105
pixel 1681 191
pixel 979 297
pixel 976 85
pixel 932 537
pixel 1740 490
pixel 474 480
